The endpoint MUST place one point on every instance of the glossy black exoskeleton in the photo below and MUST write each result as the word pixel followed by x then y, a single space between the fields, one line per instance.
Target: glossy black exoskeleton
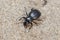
pixel 33 15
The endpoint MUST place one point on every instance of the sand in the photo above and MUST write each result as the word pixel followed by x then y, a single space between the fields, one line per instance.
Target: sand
pixel 10 10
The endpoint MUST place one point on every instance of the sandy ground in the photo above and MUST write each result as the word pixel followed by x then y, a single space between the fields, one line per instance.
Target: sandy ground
pixel 10 10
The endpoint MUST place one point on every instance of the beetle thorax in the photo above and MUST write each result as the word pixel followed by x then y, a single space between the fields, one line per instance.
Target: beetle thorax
pixel 29 19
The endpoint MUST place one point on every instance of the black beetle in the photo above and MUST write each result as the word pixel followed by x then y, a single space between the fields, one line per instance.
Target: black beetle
pixel 33 15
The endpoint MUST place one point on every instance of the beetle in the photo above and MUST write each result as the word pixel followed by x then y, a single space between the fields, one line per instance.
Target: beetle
pixel 34 14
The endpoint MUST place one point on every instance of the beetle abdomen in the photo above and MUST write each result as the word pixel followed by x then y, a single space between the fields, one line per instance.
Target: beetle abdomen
pixel 35 14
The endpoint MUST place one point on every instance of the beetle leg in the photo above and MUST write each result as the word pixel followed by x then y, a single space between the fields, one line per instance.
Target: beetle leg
pixel 31 25
pixel 39 19
pixel 35 23
pixel 18 20
pixel 25 26
pixel 21 18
